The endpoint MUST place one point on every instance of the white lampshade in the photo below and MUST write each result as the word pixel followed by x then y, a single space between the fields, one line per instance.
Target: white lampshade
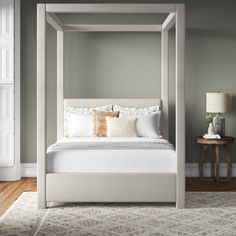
pixel 218 102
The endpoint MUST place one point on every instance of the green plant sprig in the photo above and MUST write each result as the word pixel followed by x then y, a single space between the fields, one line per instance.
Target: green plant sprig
pixel 209 118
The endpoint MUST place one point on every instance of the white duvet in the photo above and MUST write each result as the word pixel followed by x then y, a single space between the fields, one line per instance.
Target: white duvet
pixel 111 155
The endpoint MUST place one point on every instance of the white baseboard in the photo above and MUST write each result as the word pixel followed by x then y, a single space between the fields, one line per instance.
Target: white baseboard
pixel 30 169
pixel 193 171
pixel 9 174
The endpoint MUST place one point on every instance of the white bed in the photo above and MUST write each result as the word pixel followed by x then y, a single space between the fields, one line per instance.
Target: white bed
pixel 111 155
pixel 111 169
pixel 148 175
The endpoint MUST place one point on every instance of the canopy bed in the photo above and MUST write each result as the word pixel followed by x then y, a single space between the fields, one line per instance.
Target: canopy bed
pixel 161 177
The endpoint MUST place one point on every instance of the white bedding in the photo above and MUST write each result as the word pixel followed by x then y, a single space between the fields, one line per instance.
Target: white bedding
pixel 121 155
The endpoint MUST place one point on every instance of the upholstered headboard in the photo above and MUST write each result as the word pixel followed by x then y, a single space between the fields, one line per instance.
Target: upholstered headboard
pixel 102 102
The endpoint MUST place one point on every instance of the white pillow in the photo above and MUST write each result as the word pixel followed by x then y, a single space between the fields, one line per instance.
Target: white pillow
pixel 79 125
pixel 88 110
pixel 78 120
pixel 121 127
pixel 147 125
pixel 135 110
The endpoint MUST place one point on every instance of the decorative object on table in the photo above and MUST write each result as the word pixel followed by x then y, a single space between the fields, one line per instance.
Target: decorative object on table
pixel 218 103
pixel 215 158
pixel 211 130
pixel 211 136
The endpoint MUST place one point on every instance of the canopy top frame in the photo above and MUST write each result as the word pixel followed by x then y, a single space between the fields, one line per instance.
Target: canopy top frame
pixel 54 21
pixel 111 8
pixel 176 15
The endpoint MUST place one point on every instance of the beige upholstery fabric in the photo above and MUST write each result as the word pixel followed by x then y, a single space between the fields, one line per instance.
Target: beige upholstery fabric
pixel 100 124
pixel 121 127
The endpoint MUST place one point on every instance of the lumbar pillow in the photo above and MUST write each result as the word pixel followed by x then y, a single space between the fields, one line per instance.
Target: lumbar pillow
pixel 79 125
pixel 135 110
pixel 82 114
pixel 121 127
pixel 100 124
pixel 147 125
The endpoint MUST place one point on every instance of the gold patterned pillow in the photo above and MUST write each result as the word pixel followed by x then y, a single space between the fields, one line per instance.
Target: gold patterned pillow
pixel 100 124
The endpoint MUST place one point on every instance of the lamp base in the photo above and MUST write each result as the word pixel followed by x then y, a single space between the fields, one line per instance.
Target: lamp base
pixel 219 124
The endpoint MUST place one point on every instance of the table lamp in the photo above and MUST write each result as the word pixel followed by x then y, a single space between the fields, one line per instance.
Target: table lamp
pixel 218 103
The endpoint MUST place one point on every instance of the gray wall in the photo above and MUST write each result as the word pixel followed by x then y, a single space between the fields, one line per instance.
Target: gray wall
pixel 127 65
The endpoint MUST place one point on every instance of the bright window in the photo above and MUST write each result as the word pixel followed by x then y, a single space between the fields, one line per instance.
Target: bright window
pixel 7 83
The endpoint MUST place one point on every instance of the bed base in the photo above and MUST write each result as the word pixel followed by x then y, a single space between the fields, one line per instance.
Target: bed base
pixel 111 187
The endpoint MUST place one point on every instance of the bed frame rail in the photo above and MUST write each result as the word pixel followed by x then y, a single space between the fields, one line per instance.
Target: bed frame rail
pixel 111 187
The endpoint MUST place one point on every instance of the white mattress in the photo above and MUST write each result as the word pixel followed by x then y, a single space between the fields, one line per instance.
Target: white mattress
pixel 108 155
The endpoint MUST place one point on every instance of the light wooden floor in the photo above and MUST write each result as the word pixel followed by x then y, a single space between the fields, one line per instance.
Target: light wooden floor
pixel 10 191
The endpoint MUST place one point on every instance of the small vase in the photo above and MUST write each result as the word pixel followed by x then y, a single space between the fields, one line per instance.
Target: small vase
pixel 211 129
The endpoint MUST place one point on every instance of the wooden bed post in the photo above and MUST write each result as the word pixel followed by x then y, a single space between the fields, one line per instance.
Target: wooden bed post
pixel 60 84
pixel 167 24
pixel 41 104
pixel 165 83
pixel 180 105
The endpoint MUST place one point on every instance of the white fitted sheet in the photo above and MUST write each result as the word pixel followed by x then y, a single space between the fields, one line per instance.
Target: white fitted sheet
pixel 119 155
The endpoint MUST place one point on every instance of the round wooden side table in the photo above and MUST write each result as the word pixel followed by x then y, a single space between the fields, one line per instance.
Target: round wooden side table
pixel 215 158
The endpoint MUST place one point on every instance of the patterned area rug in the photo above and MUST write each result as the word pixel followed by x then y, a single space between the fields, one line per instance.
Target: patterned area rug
pixel 209 213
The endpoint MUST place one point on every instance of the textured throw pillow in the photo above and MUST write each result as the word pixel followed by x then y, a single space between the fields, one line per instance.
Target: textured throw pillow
pixel 147 125
pixel 100 124
pixel 135 110
pixel 121 127
pixel 73 112
pixel 88 110
pixel 79 125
